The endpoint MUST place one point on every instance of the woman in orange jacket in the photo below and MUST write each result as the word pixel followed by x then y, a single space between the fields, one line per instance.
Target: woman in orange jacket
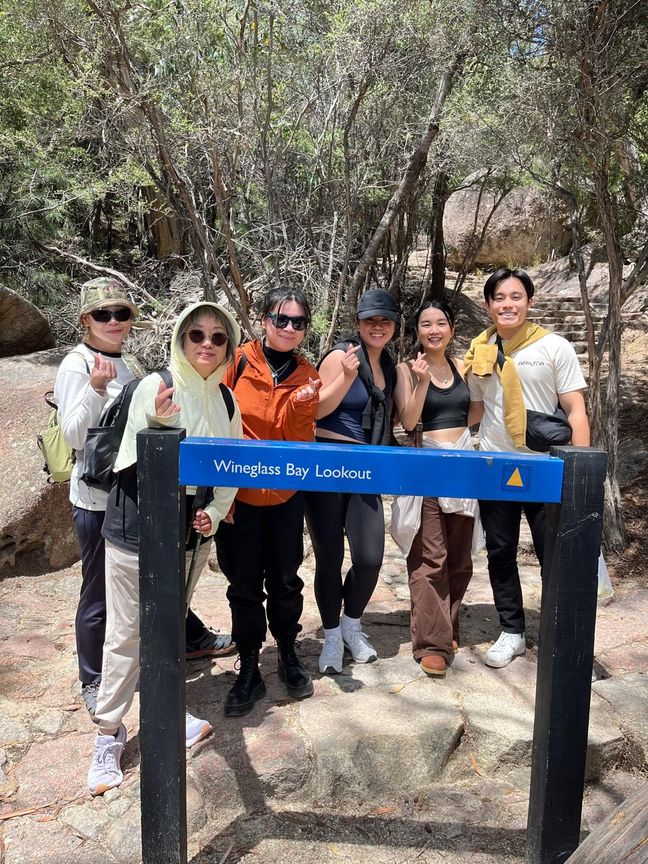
pixel 261 550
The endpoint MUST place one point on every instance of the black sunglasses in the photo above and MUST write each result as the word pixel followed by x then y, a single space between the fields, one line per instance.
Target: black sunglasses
pixel 217 339
pixel 299 322
pixel 103 316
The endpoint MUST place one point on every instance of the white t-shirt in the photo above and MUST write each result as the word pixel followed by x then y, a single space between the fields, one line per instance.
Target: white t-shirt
pixel 81 407
pixel 546 369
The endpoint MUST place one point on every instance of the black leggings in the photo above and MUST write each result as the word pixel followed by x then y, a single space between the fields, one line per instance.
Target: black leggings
pixel 329 515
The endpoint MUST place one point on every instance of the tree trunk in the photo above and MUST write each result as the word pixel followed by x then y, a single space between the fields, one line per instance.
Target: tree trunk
pixel 615 535
pixel 165 229
pixel 222 199
pixel 412 172
pixel 437 242
pixel 350 208
pixel 595 350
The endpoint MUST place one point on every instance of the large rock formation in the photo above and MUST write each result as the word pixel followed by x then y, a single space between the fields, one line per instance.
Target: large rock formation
pixel 24 327
pixel 36 530
pixel 526 227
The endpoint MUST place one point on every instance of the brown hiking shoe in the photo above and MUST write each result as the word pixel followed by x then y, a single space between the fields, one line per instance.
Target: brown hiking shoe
pixel 432 664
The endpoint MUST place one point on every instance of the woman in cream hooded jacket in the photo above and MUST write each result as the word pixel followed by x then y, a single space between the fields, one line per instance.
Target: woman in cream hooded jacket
pixel 198 363
pixel 202 412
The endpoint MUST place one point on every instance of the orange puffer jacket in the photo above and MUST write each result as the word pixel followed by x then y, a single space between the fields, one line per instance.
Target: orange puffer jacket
pixel 271 413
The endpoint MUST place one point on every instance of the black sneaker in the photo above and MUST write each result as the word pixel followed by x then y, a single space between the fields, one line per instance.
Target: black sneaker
pixel 211 644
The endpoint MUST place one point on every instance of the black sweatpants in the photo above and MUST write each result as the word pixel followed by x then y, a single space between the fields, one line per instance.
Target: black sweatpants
pixel 501 522
pixel 329 516
pixel 260 555
pixel 90 622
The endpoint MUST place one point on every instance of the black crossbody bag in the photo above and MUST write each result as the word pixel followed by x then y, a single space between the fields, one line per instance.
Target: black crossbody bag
pixel 545 431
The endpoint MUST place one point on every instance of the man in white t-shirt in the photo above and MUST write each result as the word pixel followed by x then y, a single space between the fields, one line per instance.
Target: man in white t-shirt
pixel 549 375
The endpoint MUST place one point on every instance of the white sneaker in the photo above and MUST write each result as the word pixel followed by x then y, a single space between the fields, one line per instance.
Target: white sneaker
pixel 195 729
pixel 105 773
pixel 508 646
pixel 332 656
pixel 356 641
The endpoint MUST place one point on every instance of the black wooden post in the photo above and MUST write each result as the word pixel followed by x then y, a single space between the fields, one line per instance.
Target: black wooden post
pixel 565 653
pixel 162 647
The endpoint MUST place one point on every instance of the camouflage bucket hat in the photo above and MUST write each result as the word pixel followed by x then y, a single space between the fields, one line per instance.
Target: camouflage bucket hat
pixel 104 291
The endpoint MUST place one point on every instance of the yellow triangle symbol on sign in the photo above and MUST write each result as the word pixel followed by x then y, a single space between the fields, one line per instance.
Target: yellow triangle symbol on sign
pixel 515 479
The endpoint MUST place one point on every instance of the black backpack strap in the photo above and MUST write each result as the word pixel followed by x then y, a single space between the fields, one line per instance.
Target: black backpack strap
pixel 117 414
pixel 228 399
pixel 165 375
pixel 342 345
pixel 240 368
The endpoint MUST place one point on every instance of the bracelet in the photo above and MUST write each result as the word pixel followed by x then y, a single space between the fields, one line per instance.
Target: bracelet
pixel 101 391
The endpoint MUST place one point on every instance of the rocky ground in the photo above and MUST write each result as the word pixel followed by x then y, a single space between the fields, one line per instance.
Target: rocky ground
pixel 381 765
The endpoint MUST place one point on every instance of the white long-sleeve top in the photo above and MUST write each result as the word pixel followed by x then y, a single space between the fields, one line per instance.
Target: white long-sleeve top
pixel 81 407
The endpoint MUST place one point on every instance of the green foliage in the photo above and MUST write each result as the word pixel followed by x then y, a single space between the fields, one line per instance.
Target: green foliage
pixel 112 116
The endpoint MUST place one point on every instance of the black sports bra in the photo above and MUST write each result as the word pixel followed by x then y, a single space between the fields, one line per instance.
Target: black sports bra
pixel 446 409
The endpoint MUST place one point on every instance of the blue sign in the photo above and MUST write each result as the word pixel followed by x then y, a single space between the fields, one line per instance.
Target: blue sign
pixel 351 468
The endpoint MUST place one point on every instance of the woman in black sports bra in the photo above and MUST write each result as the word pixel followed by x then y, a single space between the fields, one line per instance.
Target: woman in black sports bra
pixel 430 388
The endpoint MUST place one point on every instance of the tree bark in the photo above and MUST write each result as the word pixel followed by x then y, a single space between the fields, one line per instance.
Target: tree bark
pixel 437 242
pixel 350 206
pixel 615 534
pixel 221 196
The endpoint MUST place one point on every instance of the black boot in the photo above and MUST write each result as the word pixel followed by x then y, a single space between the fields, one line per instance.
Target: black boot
pixel 249 687
pixel 292 673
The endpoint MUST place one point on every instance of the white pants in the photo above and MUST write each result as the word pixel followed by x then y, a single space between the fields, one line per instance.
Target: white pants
pixel 120 666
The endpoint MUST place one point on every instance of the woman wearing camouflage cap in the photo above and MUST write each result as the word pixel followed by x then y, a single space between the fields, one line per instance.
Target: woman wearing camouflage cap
pixel 90 377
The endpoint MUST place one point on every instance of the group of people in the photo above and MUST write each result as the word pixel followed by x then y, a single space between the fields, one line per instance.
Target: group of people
pixel 278 394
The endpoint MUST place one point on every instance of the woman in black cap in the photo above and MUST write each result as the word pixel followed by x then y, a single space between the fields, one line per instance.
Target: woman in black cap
pixel 358 376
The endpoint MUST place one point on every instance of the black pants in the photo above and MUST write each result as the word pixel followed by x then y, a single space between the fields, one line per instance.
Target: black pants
pixel 90 622
pixel 260 555
pixel 501 521
pixel 329 515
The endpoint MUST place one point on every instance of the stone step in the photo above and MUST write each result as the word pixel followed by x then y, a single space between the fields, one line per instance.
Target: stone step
pixel 579 315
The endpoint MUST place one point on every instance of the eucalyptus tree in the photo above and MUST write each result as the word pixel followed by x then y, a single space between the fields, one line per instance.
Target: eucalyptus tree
pixel 581 98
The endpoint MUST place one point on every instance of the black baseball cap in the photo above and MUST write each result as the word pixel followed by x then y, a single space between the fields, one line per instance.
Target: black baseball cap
pixel 377 303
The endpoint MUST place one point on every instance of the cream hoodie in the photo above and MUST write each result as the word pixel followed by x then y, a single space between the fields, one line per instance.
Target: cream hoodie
pixel 203 411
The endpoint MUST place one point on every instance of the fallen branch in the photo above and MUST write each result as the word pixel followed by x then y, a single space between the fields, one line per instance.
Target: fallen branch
pixel 27 811
pixel 475 766
pixel 98 268
pixel 227 853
